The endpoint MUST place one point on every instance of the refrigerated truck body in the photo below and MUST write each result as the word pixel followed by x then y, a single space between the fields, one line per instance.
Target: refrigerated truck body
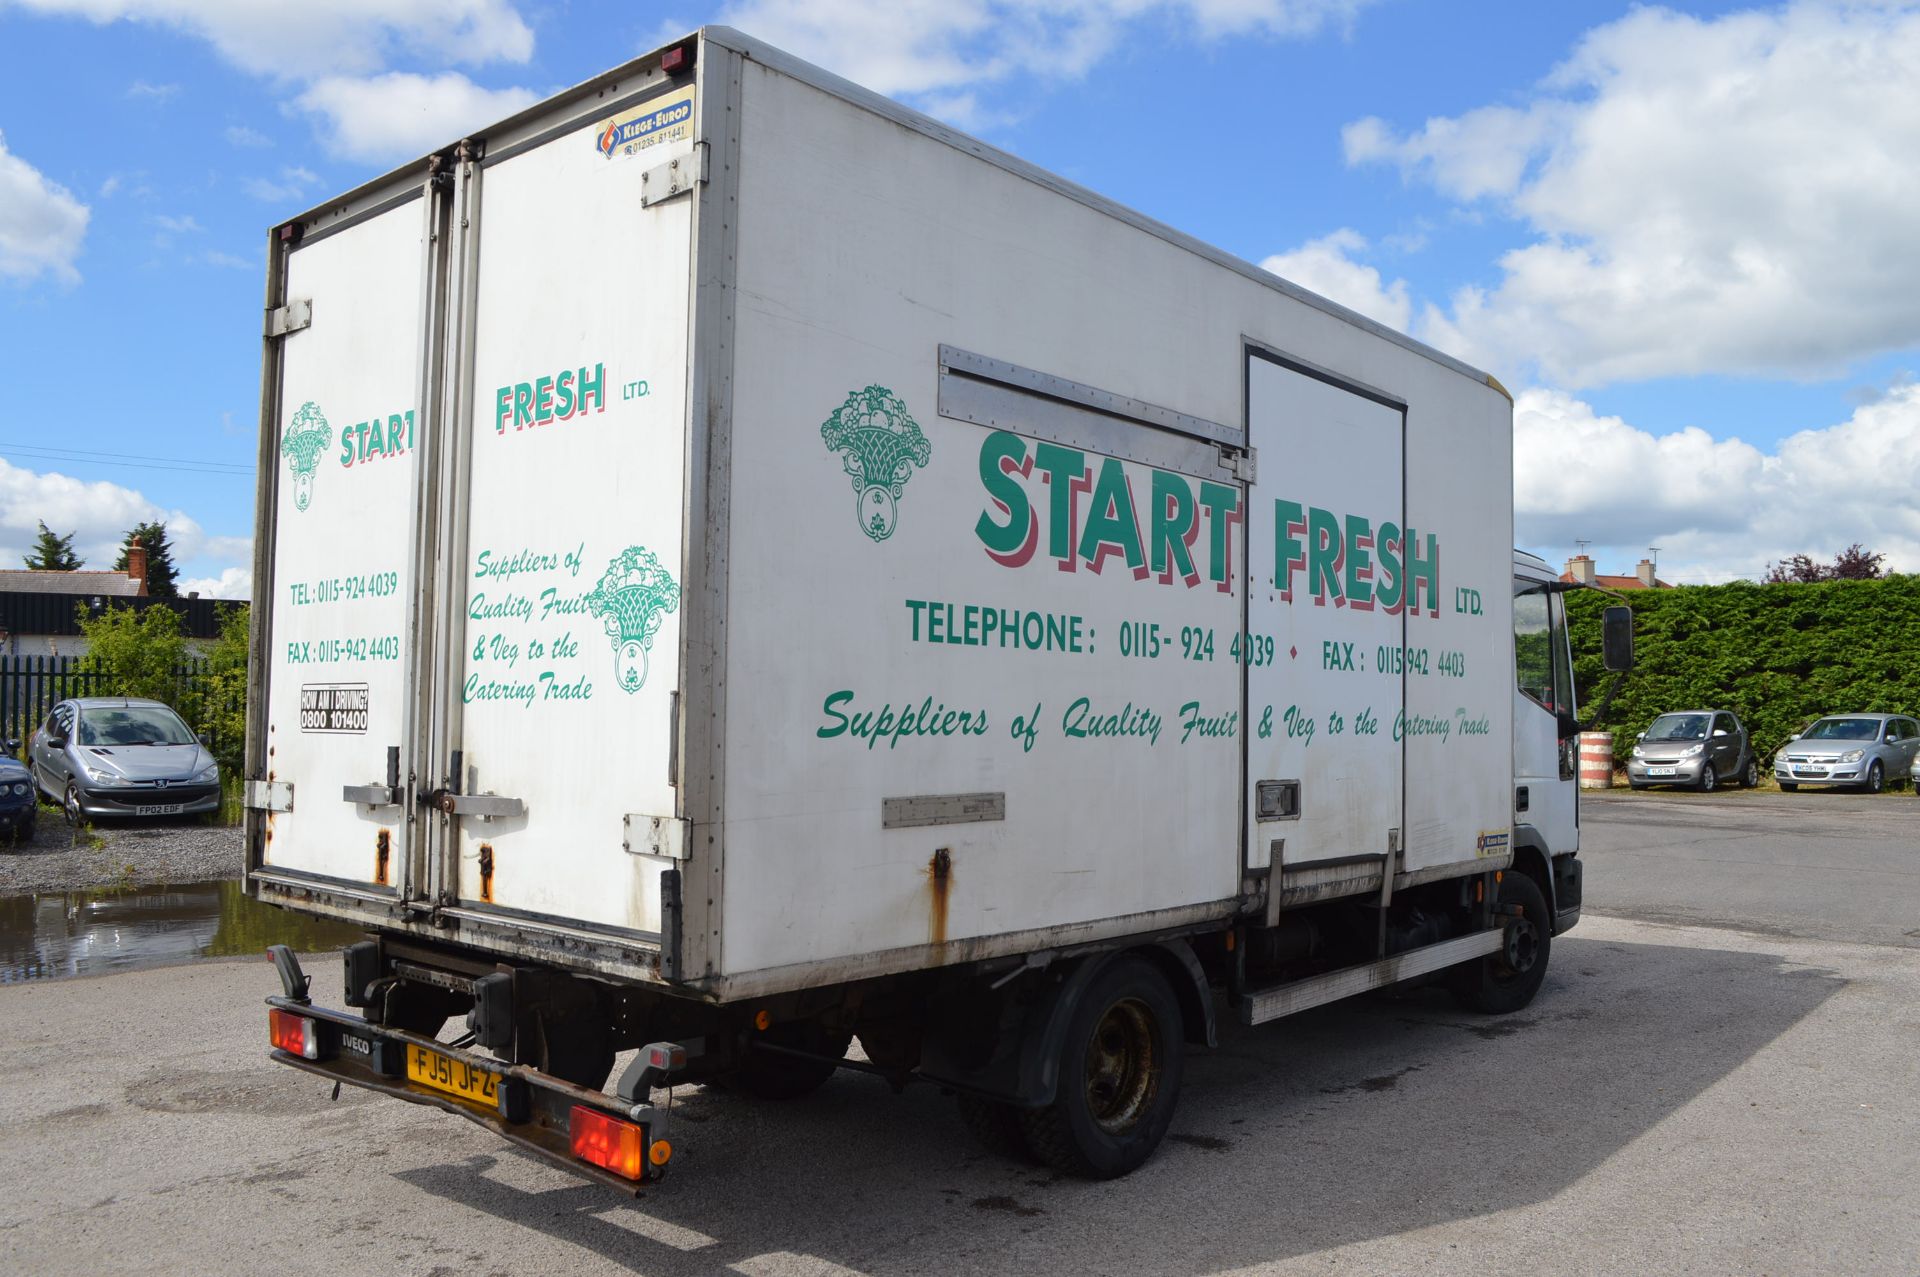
pixel 742 566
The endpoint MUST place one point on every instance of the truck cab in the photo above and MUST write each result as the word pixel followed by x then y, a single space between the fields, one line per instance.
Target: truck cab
pixel 1546 727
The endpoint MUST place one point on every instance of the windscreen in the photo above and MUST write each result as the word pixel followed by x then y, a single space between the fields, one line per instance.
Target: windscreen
pixel 133 725
pixel 1844 729
pixel 1679 727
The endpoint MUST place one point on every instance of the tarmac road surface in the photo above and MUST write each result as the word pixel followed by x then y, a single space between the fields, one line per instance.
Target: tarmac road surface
pixel 1679 1099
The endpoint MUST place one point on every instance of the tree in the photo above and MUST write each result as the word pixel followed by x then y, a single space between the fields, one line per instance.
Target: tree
pixel 53 553
pixel 224 689
pixel 1855 563
pixel 160 573
pixel 136 652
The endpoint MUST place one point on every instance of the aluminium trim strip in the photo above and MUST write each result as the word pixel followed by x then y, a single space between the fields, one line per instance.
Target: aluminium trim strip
pixel 1271 1004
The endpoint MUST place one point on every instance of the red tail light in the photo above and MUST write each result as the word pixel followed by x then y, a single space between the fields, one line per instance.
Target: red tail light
pixel 294 1034
pixel 608 1142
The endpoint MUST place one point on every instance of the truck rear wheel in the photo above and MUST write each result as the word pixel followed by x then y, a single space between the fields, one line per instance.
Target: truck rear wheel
pixel 1507 979
pixel 1120 1070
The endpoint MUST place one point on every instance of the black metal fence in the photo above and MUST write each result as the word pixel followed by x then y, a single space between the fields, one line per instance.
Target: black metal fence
pixel 30 686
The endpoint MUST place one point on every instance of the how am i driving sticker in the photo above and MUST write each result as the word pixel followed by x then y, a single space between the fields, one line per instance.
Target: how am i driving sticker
pixel 333 707
pixel 647 127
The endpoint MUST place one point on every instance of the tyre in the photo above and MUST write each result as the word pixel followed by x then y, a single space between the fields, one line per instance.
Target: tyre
pixel 1788 787
pixel 1121 1063
pixel 996 1126
pixel 1507 980
pixel 1750 778
pixel 70 806
pixel 1709 779
pixel 771 1075
pixel 1876 778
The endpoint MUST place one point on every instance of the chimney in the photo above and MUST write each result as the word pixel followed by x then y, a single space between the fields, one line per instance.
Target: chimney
pixel 137 566
pixel 1644 571
pixel 1580 568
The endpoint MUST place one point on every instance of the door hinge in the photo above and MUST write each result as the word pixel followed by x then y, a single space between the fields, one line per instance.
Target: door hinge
pixel 1241 463
pixel 644 835
pixel 675 177
pixel 290 318
pixel 270 795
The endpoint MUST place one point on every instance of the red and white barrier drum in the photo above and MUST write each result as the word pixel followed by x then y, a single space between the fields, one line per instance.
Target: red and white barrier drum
pixel 1596 760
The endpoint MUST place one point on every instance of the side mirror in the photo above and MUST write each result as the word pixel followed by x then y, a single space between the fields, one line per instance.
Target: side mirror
pixel 1795 736
pixel 1641 736
pixel 1719 731
pixel 13 745
pixel 56 742
pixel 206 738
pixel 1616 639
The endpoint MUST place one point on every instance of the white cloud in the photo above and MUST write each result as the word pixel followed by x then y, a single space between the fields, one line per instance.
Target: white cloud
pixel 41 223
pixel 1718 508
pixel 159 93
pixel 387 118
pixel 1326 266
pixel 184 224
pixel 214 257
pixel 942 47
pixel 231 583
pixel 241 135
pixel 299 41
pixel 1727 195
pixel 291 186
pixel 108 187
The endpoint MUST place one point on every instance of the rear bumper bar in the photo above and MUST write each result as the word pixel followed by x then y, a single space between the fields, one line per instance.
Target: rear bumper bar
pixel 535 1109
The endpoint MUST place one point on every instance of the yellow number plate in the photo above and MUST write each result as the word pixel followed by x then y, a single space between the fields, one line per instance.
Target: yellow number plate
pixel 455 1077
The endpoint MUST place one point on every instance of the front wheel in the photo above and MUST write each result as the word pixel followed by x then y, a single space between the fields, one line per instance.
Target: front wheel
pixel 1876 778
pixel 1120 1071
pixel 70 806
pixel 1507 979
pixel 1709 779
pixel 1750 779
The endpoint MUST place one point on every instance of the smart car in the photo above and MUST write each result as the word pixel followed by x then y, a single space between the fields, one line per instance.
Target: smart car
pixel 1696 747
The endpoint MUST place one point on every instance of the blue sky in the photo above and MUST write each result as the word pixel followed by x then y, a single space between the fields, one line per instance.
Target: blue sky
pixel 1683 236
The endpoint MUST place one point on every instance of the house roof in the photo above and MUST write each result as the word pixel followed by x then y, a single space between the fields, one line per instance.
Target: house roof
pixel 115 584
pixel 1619 582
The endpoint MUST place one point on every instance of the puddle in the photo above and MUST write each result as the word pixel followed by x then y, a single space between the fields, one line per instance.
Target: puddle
pixel 69 933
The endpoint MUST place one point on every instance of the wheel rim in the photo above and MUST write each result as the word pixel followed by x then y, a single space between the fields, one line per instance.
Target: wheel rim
pixel 1707 778
pixel 72 805
pixel 1875 777
pixel 1753 773
pixel 1521 950
pixel 1123 1067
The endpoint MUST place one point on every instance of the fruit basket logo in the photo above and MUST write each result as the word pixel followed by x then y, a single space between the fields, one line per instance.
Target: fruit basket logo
pixel 634 596
pixel 307 438
pixel 879 443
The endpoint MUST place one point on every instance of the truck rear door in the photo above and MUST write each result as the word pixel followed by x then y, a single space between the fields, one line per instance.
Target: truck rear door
pixel 565 551
pixel 351 345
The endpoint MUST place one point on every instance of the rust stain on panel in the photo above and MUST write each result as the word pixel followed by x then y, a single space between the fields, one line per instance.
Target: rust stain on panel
pixel 940 890
pixel 382 854
pixel 486 872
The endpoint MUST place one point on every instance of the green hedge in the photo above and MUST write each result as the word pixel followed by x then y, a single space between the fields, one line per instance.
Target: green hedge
pixel 1776 655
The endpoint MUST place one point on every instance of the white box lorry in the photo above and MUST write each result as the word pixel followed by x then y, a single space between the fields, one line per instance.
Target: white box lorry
pixel 742 567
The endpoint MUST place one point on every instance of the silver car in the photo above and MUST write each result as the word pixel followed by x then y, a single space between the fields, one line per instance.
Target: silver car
pixel 1864 751
pixel 108 756
pixel 1698 748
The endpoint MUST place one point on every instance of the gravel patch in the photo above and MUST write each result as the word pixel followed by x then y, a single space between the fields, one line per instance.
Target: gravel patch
pixel 124 854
